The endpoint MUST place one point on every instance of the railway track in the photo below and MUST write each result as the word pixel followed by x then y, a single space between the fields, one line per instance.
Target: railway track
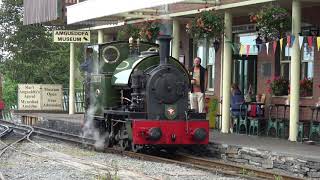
pixel 179 158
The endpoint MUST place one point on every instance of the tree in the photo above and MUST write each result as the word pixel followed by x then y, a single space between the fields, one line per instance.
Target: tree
pixel 29 54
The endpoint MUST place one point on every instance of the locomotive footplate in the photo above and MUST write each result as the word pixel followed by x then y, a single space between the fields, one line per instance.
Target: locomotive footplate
pixel 129 114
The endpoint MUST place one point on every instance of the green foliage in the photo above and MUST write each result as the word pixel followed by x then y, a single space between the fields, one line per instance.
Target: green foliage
pixel 10 92
pixel 30 55
pixel 206 25
pixel 272 22
pixel 150 31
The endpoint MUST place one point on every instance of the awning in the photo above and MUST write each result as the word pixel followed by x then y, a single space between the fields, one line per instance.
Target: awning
pixel 95 9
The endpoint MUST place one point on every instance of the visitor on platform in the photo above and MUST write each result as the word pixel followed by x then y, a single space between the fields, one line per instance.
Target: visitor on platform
pixel 198 83
pixel 237 99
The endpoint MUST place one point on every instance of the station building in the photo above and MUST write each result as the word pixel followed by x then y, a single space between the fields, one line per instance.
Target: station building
pixel 226 60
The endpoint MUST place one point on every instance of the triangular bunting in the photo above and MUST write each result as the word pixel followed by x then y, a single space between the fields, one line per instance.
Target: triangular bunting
pixel 318 43
pixel 288 40
pixel 267 45
pixel 241 49
pixel 301 38
pixel 248 50
pixel 310 41
pixel 281 44
pixel 274 46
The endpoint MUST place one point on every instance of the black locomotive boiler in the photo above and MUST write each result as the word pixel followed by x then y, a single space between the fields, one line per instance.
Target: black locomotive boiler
pixel 139 97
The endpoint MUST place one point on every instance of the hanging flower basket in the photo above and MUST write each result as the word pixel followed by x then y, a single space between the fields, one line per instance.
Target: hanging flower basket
pixel 206 25
pixel 150 31
pixel 272 22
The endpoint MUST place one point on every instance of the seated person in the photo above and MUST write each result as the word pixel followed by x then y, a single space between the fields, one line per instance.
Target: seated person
pixel 237 99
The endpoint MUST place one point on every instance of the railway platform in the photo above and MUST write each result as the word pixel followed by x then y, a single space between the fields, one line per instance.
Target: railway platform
pixel 296 158
pixel 300 159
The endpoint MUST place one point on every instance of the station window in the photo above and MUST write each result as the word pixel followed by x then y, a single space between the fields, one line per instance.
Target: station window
pixel 307 62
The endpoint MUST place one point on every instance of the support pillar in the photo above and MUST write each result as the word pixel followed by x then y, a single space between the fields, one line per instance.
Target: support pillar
pixel 227 64
pixel 100 36
pixel 295 72
pixel 71 80
pixel 176 39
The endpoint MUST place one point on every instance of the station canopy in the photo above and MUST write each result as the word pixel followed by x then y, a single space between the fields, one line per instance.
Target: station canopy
pixel 109 13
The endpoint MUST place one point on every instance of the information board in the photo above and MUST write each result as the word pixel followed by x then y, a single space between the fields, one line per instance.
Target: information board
pixel 40 97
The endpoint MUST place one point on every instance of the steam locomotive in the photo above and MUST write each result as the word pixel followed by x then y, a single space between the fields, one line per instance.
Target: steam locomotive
pixel 137 97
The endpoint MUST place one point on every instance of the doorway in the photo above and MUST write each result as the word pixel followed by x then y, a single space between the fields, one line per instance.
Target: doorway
pixel 245 73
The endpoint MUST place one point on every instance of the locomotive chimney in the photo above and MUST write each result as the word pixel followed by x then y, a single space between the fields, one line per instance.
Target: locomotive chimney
pixel 164 41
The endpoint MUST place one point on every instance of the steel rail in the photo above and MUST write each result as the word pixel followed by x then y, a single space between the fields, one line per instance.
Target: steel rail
pixel 180 159
pixel 5 131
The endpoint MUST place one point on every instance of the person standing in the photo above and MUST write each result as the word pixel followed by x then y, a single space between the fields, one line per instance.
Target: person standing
pixel 87 67
pixel 198 83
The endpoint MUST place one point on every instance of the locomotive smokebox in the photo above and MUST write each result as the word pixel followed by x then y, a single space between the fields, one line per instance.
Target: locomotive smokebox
pixel 164 41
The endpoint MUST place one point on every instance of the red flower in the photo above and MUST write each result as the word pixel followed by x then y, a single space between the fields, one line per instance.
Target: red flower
pixel 269 81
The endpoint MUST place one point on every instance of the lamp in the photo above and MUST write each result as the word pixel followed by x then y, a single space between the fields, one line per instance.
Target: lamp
pixel 216 45
pixel 259 41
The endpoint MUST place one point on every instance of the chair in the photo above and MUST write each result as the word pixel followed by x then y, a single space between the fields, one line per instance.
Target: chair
pixel 239 118
pixel 314 124
pixel 255 121
pixel 243 118
pixel 272 122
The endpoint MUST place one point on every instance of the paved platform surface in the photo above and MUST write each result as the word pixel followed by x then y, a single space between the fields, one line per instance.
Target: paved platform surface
pixel 275 145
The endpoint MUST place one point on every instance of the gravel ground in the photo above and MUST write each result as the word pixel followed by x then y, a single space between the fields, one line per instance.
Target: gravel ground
pixel 60 160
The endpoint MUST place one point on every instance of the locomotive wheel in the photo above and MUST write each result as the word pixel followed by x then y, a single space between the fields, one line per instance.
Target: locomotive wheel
pixel 124 144
pixel 135 148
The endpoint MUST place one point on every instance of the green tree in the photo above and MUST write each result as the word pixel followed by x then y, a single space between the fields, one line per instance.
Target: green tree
pixel 29 54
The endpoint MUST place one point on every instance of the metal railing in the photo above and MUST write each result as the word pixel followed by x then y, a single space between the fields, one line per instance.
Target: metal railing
pixel 79 100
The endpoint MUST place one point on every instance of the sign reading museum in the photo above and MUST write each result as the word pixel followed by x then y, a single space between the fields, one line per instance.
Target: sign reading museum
pixel 71 36
pixel 40 97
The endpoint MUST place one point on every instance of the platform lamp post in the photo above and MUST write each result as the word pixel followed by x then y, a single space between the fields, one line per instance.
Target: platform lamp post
pixel 71 80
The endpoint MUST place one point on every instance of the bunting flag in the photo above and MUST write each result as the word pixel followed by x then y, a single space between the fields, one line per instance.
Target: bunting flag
pixel 310 41
pixel 274 46
pixel 318 43
pixel 241 49
pixel 301 38
pixel 293 38
pixel 288 40
pixel 248 50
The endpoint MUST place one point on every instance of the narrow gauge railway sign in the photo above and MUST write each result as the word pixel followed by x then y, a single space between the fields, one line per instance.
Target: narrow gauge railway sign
pixel 71 36
pixel 40 97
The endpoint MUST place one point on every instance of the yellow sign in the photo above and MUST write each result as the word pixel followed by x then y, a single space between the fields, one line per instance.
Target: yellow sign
pixel 71 36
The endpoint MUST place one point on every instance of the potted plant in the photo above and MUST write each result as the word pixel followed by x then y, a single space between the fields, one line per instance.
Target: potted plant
pixel 278 86
pixel 207 24
pixel 272 22
pixel 306 86
pixel 213 109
